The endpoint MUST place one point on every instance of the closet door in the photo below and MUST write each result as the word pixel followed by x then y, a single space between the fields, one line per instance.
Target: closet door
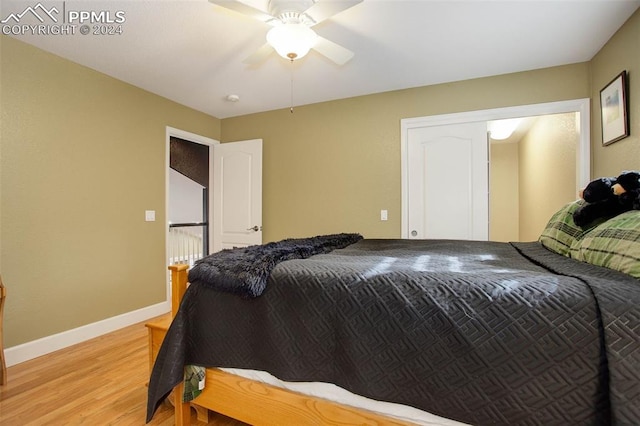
pixel 448 182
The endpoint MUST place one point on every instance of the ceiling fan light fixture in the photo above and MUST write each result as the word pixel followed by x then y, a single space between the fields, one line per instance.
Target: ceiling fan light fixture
pixel 292 41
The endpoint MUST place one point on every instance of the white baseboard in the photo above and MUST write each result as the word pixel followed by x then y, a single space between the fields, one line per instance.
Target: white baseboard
pixel 30 350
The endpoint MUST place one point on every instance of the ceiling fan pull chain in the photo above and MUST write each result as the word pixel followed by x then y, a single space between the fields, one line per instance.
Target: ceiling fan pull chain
pixel 291 108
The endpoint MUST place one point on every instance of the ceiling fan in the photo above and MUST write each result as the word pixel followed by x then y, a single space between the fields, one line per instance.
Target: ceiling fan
pixel 291 36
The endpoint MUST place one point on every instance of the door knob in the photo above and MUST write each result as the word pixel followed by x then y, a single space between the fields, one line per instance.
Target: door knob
pixel 254 228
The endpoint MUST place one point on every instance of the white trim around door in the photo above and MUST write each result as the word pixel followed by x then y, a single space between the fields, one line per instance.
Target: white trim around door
pixel 191 137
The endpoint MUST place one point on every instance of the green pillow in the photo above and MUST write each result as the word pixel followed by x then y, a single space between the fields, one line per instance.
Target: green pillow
pixel 560 232
pixel 614 244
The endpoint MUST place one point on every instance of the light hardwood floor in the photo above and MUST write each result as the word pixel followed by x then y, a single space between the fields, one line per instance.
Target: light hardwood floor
pixel 98 382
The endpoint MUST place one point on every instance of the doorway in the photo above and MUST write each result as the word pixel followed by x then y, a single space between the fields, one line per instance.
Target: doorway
pixel 188 193
pixel 582 151
pixel 234 192
pixel 532 173
pixel 189 188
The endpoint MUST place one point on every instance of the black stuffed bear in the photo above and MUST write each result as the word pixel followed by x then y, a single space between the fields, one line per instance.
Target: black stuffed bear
pixel 608 197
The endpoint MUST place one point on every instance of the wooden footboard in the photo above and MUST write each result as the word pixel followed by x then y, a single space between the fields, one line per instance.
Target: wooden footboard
pixel 258 403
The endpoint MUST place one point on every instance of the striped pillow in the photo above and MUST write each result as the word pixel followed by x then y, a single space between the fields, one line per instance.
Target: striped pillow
pixel 614 244
pixel 560 232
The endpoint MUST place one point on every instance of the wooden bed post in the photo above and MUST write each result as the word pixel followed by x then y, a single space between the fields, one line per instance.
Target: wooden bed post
pixel 182 414
pixel 179 279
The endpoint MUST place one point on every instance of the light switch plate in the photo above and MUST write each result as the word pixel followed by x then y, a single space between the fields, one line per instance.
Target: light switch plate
pixel 150 215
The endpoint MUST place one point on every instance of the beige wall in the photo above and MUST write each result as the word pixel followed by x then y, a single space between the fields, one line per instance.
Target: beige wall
pixel 331 167
pixel 82 158
pixel 620 53
pixel 504 192
pixel 547 173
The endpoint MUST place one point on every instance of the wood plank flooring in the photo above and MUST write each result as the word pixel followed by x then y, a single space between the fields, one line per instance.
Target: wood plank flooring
pixel 98 382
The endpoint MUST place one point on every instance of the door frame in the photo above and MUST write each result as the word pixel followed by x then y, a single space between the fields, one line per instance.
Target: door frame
pixel 583 150
pixel 195 138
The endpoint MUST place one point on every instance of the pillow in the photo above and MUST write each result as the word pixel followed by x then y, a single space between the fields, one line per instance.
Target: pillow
pixel 560 232
pixel 614 244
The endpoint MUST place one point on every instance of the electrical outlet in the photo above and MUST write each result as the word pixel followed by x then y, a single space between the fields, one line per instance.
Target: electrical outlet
pixel 384 215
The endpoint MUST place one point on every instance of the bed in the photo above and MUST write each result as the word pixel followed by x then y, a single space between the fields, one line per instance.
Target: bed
pixel 544 332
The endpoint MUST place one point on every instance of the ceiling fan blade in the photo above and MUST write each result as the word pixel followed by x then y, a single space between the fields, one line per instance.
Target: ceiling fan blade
pixel 323 10
pixel 259 55
pixel 245 9
pixel 338 54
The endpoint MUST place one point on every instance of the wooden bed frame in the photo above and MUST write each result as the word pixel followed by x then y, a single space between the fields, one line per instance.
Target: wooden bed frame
pixel 258 403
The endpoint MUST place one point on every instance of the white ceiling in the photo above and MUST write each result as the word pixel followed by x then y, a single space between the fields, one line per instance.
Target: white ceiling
pixel 191 51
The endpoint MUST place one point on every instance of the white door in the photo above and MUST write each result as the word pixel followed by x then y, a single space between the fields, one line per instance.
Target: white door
pixel 448 182
pixel 237 194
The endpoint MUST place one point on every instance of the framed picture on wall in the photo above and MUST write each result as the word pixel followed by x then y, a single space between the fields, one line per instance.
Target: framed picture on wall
pixel 613 109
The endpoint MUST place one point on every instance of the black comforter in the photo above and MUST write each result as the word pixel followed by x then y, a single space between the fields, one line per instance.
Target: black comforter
pixel 480 332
